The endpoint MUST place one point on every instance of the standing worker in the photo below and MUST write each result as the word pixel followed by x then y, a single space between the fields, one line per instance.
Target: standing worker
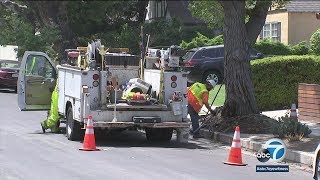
pixel 52 122
pixel 198 95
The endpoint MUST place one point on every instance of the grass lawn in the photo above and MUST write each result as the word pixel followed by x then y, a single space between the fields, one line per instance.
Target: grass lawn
pixel 220 98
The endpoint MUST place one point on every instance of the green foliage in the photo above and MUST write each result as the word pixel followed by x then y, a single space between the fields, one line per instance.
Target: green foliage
pixel 291 129
pixel 210 12
pixel 276 79
pixel 166 33
pixel 125 37
pixel 21 33
pixel 315 43
pixel 301 48
pixel 201 40
pixel 270 47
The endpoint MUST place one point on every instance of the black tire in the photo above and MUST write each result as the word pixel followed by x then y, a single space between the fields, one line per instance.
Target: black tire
pixel 159 134
pixel 212 75
pixel 73 128
pixel 317 168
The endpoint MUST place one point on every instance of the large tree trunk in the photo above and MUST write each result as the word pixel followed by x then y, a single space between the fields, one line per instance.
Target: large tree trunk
pixel 240 97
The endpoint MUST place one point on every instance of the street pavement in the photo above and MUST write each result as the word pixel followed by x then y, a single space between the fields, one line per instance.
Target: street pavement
pixel 28 154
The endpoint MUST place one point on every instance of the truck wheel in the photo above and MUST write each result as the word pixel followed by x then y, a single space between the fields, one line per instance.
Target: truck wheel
pixel 159 134
pixel 73 128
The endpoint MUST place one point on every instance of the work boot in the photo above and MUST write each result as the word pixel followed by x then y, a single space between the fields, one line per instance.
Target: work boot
pixel 43 126
pixel 55 129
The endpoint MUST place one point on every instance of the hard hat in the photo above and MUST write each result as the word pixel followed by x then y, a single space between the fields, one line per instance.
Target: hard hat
pixel 212 82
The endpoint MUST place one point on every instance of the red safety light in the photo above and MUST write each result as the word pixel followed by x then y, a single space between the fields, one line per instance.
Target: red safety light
pixel 189 64
pixel 174 78
pixel 95 77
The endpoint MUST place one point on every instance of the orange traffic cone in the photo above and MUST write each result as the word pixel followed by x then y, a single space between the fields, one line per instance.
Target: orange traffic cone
pixel 235 157
pixel 89 142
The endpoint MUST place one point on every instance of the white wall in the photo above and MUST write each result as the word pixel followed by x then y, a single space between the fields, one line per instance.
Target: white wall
pixel 8 52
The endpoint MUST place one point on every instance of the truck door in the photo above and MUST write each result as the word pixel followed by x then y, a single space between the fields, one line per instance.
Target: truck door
pixel 36 81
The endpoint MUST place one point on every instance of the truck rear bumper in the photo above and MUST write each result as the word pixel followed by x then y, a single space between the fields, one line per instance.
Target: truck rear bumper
pixel 148 125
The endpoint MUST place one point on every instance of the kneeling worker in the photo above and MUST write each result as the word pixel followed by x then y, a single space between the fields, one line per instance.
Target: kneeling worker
pixel 198 95
pixel 52 122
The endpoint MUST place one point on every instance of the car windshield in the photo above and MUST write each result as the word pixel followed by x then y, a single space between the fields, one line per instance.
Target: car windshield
pixel 14 65
pixel 188 55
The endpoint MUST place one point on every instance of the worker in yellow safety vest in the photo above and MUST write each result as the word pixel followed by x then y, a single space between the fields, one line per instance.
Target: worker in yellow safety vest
pixel 52 122
pixel 198 95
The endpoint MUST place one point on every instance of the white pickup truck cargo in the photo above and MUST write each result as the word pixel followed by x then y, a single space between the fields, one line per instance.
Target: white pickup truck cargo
pixel 84 92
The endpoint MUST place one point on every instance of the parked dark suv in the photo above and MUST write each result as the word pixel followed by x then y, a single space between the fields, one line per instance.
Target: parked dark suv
pixel 208 63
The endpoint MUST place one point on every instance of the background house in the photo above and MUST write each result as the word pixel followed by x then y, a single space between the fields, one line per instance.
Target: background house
pixel 294 23
pixel 165 9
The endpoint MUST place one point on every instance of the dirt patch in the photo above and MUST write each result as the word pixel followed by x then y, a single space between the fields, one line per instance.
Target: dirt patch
pixel 305 144
pixel 249 124
pixel 258 128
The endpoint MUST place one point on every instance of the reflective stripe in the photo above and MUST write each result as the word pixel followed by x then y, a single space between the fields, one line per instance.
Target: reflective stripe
pixel 89 131
pixel 236 144
pixel 236 140
pixel 236 135
pixel 90 123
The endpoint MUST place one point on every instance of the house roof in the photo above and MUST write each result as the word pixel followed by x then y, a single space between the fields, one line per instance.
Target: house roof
pixel 179 9
pixel 303 6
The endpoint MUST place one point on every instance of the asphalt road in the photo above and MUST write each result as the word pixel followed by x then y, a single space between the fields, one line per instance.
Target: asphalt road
pixel 28 154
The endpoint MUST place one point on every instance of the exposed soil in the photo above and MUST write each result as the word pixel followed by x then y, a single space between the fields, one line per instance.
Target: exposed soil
pixel 249 124
pixel 258 128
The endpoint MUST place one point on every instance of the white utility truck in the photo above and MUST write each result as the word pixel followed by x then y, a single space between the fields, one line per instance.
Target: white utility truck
pixel 110 89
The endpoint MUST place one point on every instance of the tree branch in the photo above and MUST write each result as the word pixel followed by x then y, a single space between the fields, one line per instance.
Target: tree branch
pixel 257 20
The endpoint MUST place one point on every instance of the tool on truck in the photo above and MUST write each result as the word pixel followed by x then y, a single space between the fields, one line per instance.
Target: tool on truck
pixel 103 87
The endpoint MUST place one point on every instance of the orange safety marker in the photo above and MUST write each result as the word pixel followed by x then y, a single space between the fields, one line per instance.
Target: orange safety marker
pixel 235 156
pixel 89 142
pixel 293 112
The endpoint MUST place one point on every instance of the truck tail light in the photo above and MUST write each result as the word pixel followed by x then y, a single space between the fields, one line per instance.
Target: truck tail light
pixel 174 78
pixel 189 64
pixel 173 84
pixel 95 77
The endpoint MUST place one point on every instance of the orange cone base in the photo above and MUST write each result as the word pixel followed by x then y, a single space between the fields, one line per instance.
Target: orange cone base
pixel 87 149
pixel 234 164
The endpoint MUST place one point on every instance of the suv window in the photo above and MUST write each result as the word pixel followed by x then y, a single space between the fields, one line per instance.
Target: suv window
pixel 214 52
pixel 188 55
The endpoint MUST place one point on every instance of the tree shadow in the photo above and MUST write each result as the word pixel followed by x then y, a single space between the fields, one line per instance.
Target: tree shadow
pixel 129 139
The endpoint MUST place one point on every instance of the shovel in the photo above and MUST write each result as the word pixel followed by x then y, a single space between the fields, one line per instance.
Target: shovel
pixel 204 123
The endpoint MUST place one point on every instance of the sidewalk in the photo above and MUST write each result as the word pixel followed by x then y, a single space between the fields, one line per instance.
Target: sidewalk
pixel 299 152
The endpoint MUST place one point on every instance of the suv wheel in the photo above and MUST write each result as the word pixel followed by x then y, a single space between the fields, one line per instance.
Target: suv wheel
pixel 212 75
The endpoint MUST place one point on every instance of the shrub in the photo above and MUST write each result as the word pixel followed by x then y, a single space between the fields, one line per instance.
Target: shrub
pixel 301 48
pixel 269 47
pixel 291 129
pixel 315 43
pixel 201 40
pixel 276 79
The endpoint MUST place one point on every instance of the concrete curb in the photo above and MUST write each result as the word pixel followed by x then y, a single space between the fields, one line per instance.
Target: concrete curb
pixel 291 155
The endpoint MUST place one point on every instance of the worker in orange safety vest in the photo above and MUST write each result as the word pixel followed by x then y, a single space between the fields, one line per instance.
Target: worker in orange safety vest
pixel 198 95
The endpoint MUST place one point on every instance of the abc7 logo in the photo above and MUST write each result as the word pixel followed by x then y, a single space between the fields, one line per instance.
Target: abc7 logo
pixel 274 150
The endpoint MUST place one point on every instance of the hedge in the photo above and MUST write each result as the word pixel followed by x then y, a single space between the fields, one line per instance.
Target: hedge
pixel 276 79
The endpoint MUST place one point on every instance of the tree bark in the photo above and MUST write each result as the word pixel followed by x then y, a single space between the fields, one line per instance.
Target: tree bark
pixel 257 19
pixel 240 97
